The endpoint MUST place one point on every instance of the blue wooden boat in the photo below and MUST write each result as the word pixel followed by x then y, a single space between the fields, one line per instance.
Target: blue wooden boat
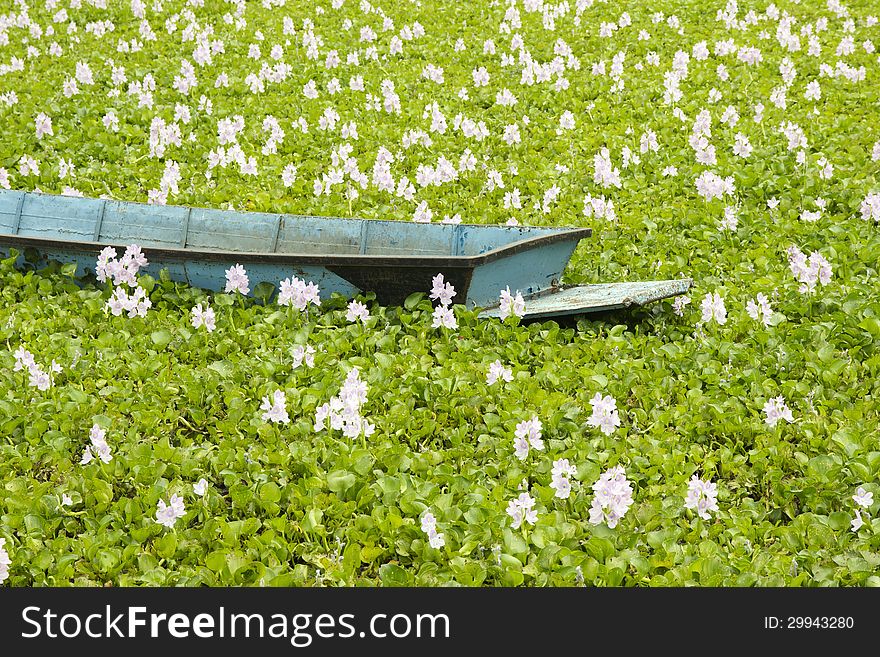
pixel 390 258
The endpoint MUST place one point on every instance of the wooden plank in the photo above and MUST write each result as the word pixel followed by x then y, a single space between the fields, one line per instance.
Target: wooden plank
pixel 581 299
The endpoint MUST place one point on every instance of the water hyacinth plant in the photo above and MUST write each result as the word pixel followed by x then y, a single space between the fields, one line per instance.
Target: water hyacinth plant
pixel 155 434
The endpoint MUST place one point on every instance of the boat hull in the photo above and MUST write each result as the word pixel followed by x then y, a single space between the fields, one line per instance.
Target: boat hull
pixel 196 246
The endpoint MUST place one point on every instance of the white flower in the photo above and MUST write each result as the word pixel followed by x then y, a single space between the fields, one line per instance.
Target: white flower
pixel 66 500
pixel 605 415
pixel 357 311
pixel 444 317
pixel 870 207
pixel 303 354
pixel 562 470
pixel 299 294
pixel 5 561
pixel 679 304
pixel 511 305
pixel 275 408
pixel 441 290
pixel 857 522
pixel 701 497
pixel 237 280
pixel 863 498
pixel 98 448
pixel 498 371
pixel 521 509
pixel 200 487
pixel 613 497
pixel 528 434
pixel 775 409
pixel 203 317
pixel 760 309
pixel 436 540
pixel 168 514
pixel 713 308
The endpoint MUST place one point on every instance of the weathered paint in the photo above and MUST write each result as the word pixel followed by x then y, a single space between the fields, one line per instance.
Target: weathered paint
pixel 580 299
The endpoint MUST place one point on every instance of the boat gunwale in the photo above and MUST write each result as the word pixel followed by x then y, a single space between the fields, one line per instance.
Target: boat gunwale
pixel 329 259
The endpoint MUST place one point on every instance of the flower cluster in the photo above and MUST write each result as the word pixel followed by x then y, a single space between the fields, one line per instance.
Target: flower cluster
pixel 299 294
pixel 498 371
pixel 511 305
pixel 528 434
pixel 864 499
pixel 169 514
pixel 99 447
pixel 613 497
pixel 443 292
pixel 870 207
pixel 808 271
pixel 604 416
pixel 135 304
pixel 5 561
pixel 429 526
pixel 203 317
pixel 37 376
pixel 712 307
pixel 237 280
pixel 122 270
pixel 775 409
pixel 759 309
pixel 275 408
pixel 344 410
pixel 303 354
pixel 357 311
pixel 522 509
pixel 561 472
pixel 702 496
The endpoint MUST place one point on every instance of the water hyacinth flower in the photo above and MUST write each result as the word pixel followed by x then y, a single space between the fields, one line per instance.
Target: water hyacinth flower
pixel 441 290
pixel 870 207
pixel 135 304
pixel 511 305
pixel 775 409
pixel 613 497
pixel 357 311
pixel 528 434
pixel 200 487
pixel 98 448
pixel 275 408
pixel 66 500
pixel 5 561
pixel 560 474
pixel 124 270
pixel 303 354
pixel 299 294
pixel 203 317
pixel 522 509
pixel 344 411
pixel 712 307
pixel 498 371
pixel 808 271
pixel 429 526
pixel 169 514
pixel 679 304
pixel 444 317
pixel 759 309
pixel 605 416
pixel 857 522
pixel 237 280
pixel 701 497
pixel 863 498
